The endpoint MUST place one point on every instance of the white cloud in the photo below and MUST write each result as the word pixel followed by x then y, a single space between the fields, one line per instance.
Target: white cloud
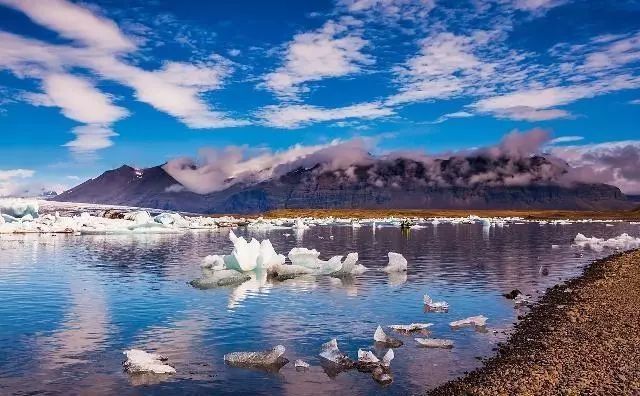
pixel 74 22
pixel 635 102
pixel 175 89
pixel 296 116
pixel 9 185
pixel 536 5
pixel 457 114
pixel 390 9
pixel 334 50
pixel 15 173
pixel 90 138
pixel 566 139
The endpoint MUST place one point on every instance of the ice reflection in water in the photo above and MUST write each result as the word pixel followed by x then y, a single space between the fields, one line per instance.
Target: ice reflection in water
pixel 71 305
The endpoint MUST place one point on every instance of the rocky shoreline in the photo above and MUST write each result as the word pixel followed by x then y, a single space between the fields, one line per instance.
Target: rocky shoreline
pixel 582 337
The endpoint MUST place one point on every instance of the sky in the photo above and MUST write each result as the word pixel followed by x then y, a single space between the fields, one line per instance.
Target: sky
pixel 89 86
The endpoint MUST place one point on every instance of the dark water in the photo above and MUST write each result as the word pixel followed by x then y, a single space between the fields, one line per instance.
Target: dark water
pixel 69 306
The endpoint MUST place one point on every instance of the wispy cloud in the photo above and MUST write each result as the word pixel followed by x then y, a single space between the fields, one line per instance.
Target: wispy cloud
pixel 296 116
pixel 334 50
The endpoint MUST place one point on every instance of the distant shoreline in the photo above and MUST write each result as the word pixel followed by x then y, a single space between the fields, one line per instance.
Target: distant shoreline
pixel 582 337
pixel 533 214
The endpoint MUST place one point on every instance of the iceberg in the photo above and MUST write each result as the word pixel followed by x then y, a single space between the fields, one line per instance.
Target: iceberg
pixel 244 256
pixel 381 337
pixel 434 342
pixel 140 362
pixel 330 352
pixel 388 357
pixel 411 327
pixel 478 321
pixel 267 257
pixel 397 263
pixel 19 208
pixel 435 306
pixel 269 358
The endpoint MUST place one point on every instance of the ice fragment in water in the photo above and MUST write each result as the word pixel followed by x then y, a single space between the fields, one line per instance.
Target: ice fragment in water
pixel 621 242
pixel 397 263
pixel 367 357
pixel 411 327
pixel 301 364
pixel 244 256
pixel 435 306
pixel 304 257
pixel 217 278
pixel 213 262
pixel 382 337
pixel 271 357
pixel 350 266
pixel 478 321
pixel 139 361
pixel 330 352
pixel 434 342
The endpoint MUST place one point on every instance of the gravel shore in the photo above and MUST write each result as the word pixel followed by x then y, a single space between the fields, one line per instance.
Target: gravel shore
pixel 581 338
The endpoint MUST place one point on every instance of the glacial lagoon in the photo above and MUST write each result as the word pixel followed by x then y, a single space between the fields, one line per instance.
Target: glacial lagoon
pixel 70 305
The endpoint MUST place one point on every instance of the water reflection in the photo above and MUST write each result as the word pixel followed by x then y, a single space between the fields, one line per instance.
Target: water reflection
pixel 72 305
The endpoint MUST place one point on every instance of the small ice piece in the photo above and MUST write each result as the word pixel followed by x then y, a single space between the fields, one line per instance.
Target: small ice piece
pixel 478 321
pixel 367 356
pixel 397 263
pixel 434 342
pixel 350 266
pixel 304 257
pixel 621 242
pixel 217 278
pixel 213 262
pixel 271 357
pixel 435 306
pixel 411 327
pixel 139 362
pixel 388 357
pixel 301 364
pixel 555 246
pixel 331 353
pixel 382 337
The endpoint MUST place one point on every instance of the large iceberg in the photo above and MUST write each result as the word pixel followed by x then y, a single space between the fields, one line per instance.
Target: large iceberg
pixel 18 208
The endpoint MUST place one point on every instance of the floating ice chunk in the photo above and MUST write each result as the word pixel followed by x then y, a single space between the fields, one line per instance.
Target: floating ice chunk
pixel 621 242
pixel 555 246
pixel 388 357
pixel 397 263
pixel 434 342
pixel 330 352
pixel 18 208
pixel 411 327
pixel 382 337
pixel 435 222
pixel 217 278
pixel 301 364
pixel 141 216
pixel 478 321
pixel 244 256
pixel 435 306
pixel 271 357
pixel 139 362
pixel 268 258
pixel 213 262
pixel 350 266
pixel 367 357
pixel 284 271
pixel 304 257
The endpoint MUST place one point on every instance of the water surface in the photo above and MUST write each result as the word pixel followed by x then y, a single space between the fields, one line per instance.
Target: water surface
pixel 70 305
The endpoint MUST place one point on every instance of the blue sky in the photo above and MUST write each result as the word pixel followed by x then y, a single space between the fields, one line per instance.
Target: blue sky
pixel 88 86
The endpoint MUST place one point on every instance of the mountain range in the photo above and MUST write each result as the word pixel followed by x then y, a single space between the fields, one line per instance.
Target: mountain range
pixel 478 182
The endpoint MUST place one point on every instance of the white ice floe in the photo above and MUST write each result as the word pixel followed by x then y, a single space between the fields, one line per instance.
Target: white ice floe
pixel 397 263
pixel 350 266
pixel 269 357
pixel 367 357
pixel 621 242
pixel 411 327
pixel 478 321
pixel 388 357
pixel 332 353
pixel 301 364
pixel 140 362
pixel 382 337
pixel 436 306
pixel 304 257
pixel 434 342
